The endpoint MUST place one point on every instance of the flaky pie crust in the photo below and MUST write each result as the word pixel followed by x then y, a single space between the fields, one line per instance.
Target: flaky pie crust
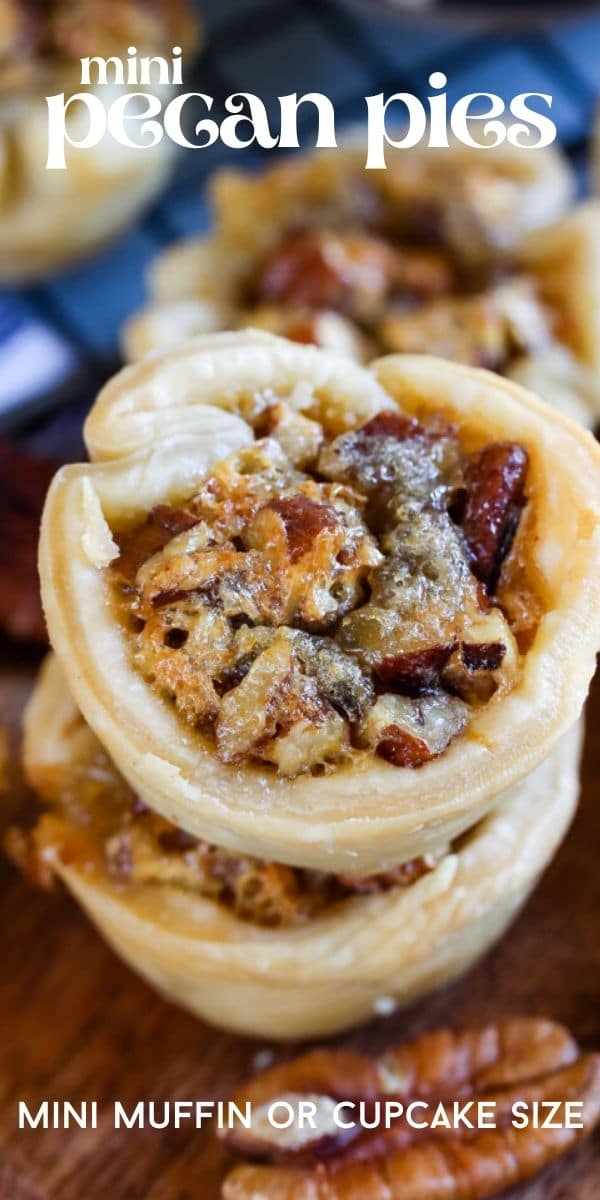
pixel 358 959
pixel 366 816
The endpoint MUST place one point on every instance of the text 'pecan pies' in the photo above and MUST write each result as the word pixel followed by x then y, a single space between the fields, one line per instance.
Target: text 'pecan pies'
pixel 462 253
pixel 49 217
pixel 259 947
pixel 332 622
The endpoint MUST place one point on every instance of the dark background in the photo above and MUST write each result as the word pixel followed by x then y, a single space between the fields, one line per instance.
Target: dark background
pixel 59 339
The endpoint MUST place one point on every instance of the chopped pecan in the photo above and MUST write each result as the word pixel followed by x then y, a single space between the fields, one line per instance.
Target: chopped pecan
pixel 24 481
pixel 391 424
pixel 137 545
pixel 410 732
pixel 469 329
pixel 483 656
pixel 401 748
pixel 175 840
pixel 525 1060
pixel 303 520
pixel 495 482
pixel 174 520
pixel 277 713
pixel 344 272
pixel 414 672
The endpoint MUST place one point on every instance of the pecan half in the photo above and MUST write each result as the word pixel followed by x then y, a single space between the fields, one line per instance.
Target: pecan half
pixel 527 1060
pixel 495 482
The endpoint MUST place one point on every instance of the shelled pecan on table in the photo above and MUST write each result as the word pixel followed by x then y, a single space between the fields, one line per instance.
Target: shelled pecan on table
pixel 521 1060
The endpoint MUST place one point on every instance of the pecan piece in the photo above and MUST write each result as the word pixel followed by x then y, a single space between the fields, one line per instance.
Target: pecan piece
pixel 174 520
pixel 392 424
pixel 483 656
pixel 439 1064
pixel 410 732
pixel 415 672
pixel 344 272
pixel 528 1060
pixel 137 545
pixel 303 520
pixel 495 482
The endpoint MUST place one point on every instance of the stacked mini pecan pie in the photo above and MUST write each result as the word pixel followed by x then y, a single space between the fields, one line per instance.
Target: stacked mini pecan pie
pixel 310 732
pixel 51 217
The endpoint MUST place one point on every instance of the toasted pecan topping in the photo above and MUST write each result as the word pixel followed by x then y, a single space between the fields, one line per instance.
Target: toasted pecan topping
pixel 483 657
pixel 298 614
pixel 391 424
pixel 524 1060
pixel 345 272
pixel 350 272
pixel 495 482
pixel 406 873
pixel 303 520
pixel 410 732
pixel 415 671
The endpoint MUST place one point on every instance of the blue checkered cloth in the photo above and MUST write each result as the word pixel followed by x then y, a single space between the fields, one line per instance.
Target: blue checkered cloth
pixel 59 339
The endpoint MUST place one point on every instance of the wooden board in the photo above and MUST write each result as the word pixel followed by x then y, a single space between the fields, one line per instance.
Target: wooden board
pixel 77 1025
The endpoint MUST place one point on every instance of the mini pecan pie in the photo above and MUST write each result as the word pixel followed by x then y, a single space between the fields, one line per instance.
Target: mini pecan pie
pixel 48 218
pixel 437 254
pixel 329 620
pixel 261 947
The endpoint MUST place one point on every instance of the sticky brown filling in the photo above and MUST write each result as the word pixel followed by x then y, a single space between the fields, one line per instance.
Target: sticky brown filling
pixel 317 599
pixel 93 821
pixel 401 283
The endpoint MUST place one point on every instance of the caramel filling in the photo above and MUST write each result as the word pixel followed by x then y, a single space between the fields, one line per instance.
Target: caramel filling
pixel 93 821
pixel 314 600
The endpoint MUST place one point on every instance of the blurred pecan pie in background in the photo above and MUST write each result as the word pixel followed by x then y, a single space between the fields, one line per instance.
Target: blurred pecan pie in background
pixel 464 253
pixel 49 217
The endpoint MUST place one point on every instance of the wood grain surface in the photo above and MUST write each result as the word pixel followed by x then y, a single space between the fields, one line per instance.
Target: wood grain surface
pixel 77 1025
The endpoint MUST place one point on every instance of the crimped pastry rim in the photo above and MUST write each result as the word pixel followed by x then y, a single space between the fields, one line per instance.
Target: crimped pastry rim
pixel 368 816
